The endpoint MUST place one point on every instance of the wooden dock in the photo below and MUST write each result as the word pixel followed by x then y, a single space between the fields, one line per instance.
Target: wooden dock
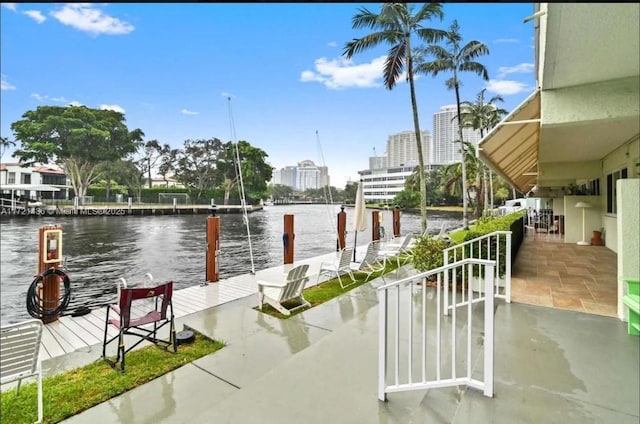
pixel 69 334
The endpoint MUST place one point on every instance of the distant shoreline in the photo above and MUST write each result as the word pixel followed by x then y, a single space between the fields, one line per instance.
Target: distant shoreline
pixel 120 210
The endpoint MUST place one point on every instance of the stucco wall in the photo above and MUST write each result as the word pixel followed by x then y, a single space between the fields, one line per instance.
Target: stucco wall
pixel 628 235
pixel 573 218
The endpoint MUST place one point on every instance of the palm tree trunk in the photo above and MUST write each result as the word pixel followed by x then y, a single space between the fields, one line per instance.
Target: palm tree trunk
pixel 484 189
pixel 491 189
pixel 465 218
pixel 416 126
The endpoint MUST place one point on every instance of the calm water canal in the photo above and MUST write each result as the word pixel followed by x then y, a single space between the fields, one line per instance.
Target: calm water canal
pixel 100 249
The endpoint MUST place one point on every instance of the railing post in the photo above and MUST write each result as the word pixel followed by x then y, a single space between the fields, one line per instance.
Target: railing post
pixel 488 330
pixel 382 346
pixel 507 275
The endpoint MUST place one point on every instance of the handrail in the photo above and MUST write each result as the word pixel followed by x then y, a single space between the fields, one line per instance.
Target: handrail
pixel 476 239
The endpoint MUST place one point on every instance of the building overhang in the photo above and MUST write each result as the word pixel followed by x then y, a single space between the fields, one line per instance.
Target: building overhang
pixel 28 187
pixel 511 147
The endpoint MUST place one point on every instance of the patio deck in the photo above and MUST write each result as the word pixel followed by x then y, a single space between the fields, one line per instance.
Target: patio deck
pixel 549 272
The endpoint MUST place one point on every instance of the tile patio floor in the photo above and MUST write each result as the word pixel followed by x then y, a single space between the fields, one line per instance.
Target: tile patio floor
pixel 549 272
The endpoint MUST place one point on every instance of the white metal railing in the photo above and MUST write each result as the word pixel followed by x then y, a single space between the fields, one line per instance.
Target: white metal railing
pixel 488 247
pixel 412 338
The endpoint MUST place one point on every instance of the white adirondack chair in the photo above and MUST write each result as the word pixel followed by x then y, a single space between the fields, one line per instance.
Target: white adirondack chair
pixel 290 290
pixel 20 355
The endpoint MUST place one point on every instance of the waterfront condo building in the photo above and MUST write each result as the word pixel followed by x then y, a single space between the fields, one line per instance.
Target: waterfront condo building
pixel 446 149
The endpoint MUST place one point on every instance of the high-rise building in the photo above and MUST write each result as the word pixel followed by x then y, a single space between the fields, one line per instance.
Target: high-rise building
pixel 304 176
pixel 402 149
pixel 377 162
pixel 446 149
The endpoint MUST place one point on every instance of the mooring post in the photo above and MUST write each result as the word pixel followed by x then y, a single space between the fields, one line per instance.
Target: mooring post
pixel 213 246
pixel 49 256
pixel 375 225
pixel 342 226
pixel 396 221
pixel 288 238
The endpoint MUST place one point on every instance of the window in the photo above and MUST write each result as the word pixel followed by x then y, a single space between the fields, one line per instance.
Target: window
pixel 611 189
pixel 11 178
pixel 25 178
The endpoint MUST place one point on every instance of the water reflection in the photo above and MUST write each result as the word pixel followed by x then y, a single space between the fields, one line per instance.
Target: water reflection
pixel 101 249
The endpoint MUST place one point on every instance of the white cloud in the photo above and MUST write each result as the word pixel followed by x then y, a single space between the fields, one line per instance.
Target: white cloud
pixel 332 44
pixel 115 108
pixel 10 6
pixel 506 40
pixel 6 85
pixel 521 68
pixel 506 87
pixel 36 15
pixel 225 94
pixel 189 112
pixel 45 98
pixel 86 17
pixel 341 73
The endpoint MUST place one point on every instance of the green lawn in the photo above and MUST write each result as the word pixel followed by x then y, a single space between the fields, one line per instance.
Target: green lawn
pixel 74 391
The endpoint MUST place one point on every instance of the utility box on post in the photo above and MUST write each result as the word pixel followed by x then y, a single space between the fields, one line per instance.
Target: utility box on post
pixel 49 256
pixel 213 246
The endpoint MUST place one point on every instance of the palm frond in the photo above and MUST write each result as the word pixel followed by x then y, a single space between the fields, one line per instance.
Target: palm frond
pixel 475 67
pixel 365 19
pixel 358 45
pixel 394 65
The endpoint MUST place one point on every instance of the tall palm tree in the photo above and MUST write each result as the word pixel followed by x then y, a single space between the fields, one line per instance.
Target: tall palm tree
pixel 5 143
pixel 395 25
pixel 455 59
pixel 482 116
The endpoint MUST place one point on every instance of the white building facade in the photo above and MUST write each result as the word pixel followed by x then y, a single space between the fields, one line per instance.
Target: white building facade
pixel 402 149
pixel 382 185
pixel 306 175
pixel 446 149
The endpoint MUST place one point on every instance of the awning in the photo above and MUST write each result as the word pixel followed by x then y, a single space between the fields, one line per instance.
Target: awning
pixel 511 148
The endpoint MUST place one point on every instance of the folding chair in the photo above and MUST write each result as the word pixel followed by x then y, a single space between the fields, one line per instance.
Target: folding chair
pixel 20 355
pixel 370 263
pixel 139 325
pixel 338 268
pixel 397 250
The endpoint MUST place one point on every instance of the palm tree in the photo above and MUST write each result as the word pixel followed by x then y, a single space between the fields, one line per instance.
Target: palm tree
pixel 482 116
pixel 395 25
pixel 454 59
pixel 5 143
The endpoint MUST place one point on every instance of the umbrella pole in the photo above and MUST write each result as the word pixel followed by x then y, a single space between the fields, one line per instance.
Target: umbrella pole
pixel 355 243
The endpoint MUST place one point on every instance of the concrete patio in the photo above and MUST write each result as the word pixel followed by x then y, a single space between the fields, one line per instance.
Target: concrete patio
pixel 551 365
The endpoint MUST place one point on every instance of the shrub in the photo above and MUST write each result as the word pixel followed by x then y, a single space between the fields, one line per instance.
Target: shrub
pixel 427 253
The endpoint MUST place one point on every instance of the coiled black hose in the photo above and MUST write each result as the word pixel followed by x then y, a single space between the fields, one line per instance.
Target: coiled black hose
pixel 35 303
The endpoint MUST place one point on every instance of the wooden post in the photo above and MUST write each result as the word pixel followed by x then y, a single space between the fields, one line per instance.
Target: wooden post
pixel 342 226
pixel 49 256
pixel 213 246
pixel 287 238
pixel 396 221
pixel 375 225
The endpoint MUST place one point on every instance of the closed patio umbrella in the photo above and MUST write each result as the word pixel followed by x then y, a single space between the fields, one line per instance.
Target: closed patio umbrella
pixel 360 218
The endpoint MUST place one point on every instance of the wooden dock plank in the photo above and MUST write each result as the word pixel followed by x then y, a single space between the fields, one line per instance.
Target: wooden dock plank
pixel 68 334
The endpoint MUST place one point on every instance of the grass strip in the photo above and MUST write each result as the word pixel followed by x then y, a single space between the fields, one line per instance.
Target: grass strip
pixel 323 292
pixel 74 391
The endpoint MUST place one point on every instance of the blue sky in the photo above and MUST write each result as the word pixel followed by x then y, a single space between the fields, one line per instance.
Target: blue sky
pixel 170 68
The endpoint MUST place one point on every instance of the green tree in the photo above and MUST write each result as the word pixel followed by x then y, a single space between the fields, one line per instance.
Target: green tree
pixel 395 25
pixel 407 199
pixel 256 172
pixel 455 59
pixel 280 192
pixel 195 165
pixel 349 194
pixel 153 154
pixel 482 116
pixel 77 138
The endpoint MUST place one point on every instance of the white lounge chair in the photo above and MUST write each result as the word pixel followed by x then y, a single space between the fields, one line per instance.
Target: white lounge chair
pixel 339 267
pixel 396 250
pixel 290 290
pixel 20 355
pixel 370 263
